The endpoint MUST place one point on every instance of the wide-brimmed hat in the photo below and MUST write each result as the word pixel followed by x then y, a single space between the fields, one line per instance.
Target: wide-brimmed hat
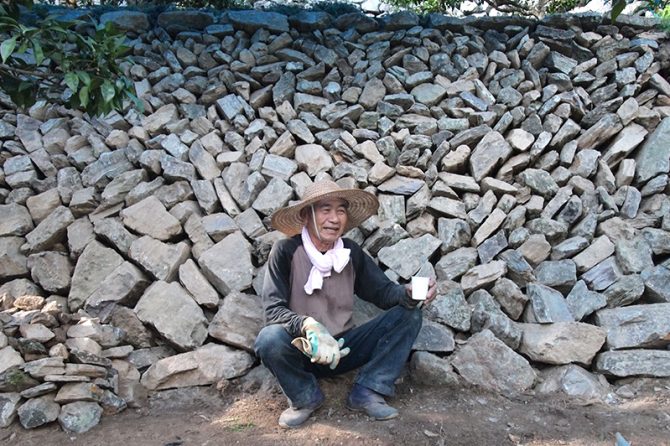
pixel 362 205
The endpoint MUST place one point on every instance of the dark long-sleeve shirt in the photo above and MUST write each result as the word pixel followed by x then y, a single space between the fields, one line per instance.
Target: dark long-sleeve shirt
pixel 370 284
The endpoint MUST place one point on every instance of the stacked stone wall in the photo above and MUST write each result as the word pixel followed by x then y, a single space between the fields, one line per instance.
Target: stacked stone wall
pixel 523 164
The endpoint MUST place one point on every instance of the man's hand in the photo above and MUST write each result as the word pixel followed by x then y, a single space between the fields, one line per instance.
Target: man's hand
pixel 432 293
pixel 320 346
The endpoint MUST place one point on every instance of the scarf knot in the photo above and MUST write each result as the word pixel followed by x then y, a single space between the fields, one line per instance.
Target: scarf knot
pixel 323 263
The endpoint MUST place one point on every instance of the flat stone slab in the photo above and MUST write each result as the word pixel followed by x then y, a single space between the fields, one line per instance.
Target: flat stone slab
pixel 636 326
pixel 486 361
pixel 207 365
pixel 561 342
pixel 624 363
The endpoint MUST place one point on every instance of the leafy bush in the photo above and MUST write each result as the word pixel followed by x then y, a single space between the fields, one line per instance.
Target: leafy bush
pixel 75 63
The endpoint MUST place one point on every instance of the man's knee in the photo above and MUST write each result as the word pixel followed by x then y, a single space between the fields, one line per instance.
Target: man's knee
pixel 271 340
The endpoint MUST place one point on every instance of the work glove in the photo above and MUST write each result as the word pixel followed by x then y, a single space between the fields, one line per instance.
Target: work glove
pixel 319 345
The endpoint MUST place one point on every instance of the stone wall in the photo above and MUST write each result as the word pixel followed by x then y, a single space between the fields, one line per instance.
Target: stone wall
pixel 523 164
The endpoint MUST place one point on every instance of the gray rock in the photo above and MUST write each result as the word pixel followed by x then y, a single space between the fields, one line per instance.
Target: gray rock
pixel 158 306
pixel 491 151
pixel 498 323
pixel 569 247
pixel 161 260
pixel 486 361
pixel 251 20
pixel 603 274
pixel 490 225
pixel 428 94
pixel 653 363
pixel 481 276
pixel 38 411
pixel 561 342
pixel 207 365
pixel 573 381
pixel 434 337
pixel 80 416
pixel 456 263
pixel 600 249
pixel 51 270
pixel 401 185
pixel 238 321
pixel 518 269
pixel 50 231
pixel 624 291
pixel 453 232
pixel 112 231
pixel 16 220
pixel 227 265
pixel 582 302
pixel 624 143
pixel 450 308
pixel 313 159
pixel 94 265
pixel 125 20
pixel 490 248
pixel 657 283
pixel 598 134
pixel 448 207
pixel 197 285
pixel 510 297
pixel 123 285
pixel 658 239
pixel 428 368
pixel 636 326
pixel 12 262
pixel 8 408
pixel 540 181
pixel 546 305
pixel 407 256
pixel 558 274
pixel 276 195
pixel 535 249
pixel 653 157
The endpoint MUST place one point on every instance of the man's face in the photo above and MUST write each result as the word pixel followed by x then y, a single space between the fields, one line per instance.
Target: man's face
pixel 330 217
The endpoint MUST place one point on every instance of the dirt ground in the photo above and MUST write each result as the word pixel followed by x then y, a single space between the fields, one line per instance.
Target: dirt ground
pixel 456 416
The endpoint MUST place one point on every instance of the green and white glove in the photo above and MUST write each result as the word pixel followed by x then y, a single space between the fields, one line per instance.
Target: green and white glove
pixel 319 345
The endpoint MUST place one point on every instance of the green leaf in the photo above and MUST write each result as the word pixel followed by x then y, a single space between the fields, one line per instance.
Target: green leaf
pixel 83 96
pixel 84 77
pixel 38 51
pixel 617 7
pixel 7 48
pixel 107 91
pixel 72 81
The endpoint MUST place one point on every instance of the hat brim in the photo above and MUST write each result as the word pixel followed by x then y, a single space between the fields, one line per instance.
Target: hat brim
pixel 362 205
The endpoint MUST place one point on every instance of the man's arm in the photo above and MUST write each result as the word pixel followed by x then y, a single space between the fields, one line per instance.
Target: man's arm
pixel 276 288
pixel 371 283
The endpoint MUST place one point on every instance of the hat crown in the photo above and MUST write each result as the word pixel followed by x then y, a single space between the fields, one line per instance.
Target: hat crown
pixel 320 188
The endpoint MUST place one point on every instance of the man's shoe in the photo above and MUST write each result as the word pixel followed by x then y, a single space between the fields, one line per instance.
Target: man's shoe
pixel 373 404
pixel 294 417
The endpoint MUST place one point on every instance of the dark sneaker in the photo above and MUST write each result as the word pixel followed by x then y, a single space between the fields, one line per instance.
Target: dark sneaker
pixel 373 404
pixel 294 417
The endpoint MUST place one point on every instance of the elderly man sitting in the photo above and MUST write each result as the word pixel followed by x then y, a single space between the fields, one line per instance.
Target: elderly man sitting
pixel 309 300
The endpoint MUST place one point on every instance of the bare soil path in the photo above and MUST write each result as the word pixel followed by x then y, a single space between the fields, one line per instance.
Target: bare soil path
pixel 459 416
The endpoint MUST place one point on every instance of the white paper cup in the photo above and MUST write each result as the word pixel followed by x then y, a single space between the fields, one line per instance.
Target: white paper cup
pixel 419 287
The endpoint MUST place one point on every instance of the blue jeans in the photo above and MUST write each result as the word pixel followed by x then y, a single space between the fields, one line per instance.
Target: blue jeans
pixel 380 347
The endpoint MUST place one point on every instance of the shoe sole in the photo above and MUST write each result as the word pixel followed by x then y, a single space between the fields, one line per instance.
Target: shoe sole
pixel 288 426
pixel 390 417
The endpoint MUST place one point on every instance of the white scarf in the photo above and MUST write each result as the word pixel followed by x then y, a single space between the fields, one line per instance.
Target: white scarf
pixel 322 264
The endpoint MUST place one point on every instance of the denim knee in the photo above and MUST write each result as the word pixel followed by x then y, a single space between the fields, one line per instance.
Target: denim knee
pixel 271 340
pixel 409 316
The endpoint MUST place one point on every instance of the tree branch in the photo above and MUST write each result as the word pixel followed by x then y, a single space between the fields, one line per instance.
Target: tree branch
pixel 39 74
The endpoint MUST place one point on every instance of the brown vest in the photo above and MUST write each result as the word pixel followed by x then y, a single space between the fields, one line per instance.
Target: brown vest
pixel 333 304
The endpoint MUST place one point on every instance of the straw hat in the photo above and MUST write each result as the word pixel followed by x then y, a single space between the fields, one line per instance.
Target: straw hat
pixel 361 206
